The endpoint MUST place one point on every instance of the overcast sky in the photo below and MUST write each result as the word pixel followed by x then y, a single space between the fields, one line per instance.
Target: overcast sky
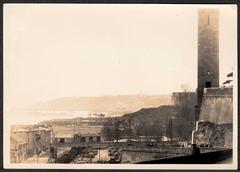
pixel 53 51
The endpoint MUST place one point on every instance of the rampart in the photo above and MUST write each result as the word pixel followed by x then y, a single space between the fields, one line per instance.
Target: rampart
pixel 217 105
pixel 214 127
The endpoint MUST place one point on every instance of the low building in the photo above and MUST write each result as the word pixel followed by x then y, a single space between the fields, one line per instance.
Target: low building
pixel 63 138
pixel 77 138
pixel 30 141
pixel 18 150
pixel 88 137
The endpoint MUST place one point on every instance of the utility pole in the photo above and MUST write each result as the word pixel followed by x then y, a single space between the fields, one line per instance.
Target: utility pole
pixel 171 130
pixel 116 129
pixel 74 128
pixel 99 154
pixel 130 132
pixel 171 125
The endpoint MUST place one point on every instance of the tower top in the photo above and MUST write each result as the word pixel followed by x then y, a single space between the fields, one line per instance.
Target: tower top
pixel 208 48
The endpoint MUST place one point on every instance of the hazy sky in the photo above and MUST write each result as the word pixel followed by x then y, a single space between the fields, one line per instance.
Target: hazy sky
pixel 53 51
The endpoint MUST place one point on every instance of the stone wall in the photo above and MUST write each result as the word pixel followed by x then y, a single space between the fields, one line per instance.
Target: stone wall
pixel 184 99
pixel 214 127
pixel 135 156
pixel 217 105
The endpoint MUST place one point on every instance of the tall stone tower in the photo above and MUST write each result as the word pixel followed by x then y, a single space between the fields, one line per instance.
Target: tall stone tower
pixel 208 52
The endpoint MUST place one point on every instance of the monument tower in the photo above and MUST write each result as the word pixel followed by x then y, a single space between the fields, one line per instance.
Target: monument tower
pixel 208 52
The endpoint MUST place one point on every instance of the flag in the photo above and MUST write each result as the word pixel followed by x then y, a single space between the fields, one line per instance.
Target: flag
pixel 227 82
pixel 230 74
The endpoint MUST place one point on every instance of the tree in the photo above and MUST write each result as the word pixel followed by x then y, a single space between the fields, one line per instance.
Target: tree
pixel 113 129
pixel 107 130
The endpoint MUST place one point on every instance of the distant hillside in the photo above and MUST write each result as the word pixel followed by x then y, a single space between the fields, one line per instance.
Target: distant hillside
pixel 108 104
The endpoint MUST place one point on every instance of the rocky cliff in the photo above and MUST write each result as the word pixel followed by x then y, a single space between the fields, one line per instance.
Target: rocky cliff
pixel 214 135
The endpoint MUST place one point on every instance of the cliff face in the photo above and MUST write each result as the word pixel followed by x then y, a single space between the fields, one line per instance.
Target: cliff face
pixel 215 135
pixel 217 106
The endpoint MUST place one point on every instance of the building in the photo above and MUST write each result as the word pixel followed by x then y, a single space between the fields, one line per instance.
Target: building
pixel 25 142
pixel 208 52
pixel 186 103
pixel 77 138
pixel 18 150
pixel 184 99
pixel 88 137
pixel 63 138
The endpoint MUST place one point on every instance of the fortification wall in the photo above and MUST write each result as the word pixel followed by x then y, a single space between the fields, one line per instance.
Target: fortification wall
pixel 184 99
pixel 215 121
pixel 217 105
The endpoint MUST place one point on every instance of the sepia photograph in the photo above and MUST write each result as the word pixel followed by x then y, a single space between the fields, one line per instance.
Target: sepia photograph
pixel 119 86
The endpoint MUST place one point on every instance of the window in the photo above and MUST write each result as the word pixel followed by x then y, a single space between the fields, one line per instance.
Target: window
pixel 51 149
pixel 83 139
pixel 98 138
pixel 62 140
pixel 208 84
pixel 90 139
